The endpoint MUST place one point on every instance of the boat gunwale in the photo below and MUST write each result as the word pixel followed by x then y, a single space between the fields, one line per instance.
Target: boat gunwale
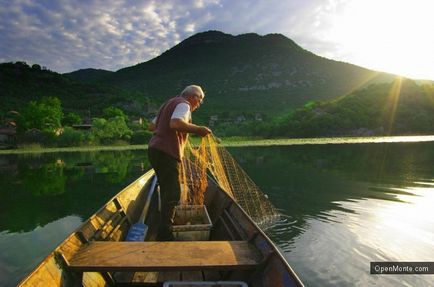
pixel 78 229
pixel 148 174
pixel 262 233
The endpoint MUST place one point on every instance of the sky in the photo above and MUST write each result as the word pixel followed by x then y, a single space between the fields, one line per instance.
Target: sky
pixel 394 36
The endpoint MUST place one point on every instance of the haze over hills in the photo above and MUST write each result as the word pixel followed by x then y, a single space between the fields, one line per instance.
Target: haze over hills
pixel 240 74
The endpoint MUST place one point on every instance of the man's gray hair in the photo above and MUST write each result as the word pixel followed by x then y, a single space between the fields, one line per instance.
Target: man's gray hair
pixel 192 90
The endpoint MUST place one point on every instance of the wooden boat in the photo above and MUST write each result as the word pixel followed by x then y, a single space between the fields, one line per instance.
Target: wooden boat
pixel 237 254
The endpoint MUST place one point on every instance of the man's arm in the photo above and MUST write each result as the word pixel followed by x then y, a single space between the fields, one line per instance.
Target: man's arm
pixel 152 127
pixel 152 124
pixel 182 126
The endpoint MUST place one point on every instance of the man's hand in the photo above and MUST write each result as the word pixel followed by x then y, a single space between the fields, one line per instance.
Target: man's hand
pixel 182 126
pixel 203 131
pixel 151 127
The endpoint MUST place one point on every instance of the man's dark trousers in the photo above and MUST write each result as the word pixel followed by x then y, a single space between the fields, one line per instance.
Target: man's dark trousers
pixel 167 169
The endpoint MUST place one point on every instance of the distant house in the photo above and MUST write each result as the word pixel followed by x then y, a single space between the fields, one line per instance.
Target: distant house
pixel 137 121
pixel 240 119
pixel 8 136
pixel 33 135
pixel 258 117
pixel 82 127
pixel 212 120
pixel 86 124
pixel 86 120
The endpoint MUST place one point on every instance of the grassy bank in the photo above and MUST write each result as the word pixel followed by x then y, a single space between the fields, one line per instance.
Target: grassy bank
pixel 233 142
pixel 335 140
pixel 71 149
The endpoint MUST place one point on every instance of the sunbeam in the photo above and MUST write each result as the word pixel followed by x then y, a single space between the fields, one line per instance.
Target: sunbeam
pixel 392 103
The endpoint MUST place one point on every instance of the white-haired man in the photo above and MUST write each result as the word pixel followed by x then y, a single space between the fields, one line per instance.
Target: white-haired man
pixel 165 149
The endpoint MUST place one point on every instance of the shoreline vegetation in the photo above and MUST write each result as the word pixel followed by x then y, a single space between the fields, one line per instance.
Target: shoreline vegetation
pixel 402 107
pixel 230 142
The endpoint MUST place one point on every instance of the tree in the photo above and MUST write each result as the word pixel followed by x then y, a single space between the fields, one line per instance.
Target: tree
pixel 71 119
pixel 70 137
pixel 110 130
pixel 44 115
pixel 112 112
pixel 36 67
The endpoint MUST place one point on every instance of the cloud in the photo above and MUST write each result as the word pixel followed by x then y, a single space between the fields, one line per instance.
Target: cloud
pixel 111 34
pixel 68 35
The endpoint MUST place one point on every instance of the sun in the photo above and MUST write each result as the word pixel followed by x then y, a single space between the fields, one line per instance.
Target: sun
pixel 386 35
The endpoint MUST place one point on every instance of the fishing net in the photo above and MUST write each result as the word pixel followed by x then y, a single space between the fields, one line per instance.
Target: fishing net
pixel 212 157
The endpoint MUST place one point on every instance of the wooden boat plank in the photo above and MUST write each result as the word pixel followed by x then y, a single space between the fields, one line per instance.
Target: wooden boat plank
pixel 169 276
pixel 88 230
pixel 70 247
pixel 235 225
pixel 116 233
pixel 217 201
pixel 211 275
pixel 243 220
pixel 94 279
pixel 174 255
pixel 109 225
pixel 226 228
pixel 130 201
pixel 47 275
pixel 52 273
pixel 145 277
pixel 272 269
pixel 99 219
pixel 40 275
pixel 274 273
pixel 194 275
pixel 123 277
pixel 120 233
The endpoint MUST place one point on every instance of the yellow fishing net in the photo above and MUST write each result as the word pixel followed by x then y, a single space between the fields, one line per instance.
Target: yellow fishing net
pixel 212 157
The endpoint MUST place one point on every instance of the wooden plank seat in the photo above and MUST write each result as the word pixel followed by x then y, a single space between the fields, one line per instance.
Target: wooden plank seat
pixel 164 256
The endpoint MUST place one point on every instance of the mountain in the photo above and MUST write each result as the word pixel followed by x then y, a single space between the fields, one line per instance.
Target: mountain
pixel 245 73
pixel 88 75
pixel 399 108
pixel 21 83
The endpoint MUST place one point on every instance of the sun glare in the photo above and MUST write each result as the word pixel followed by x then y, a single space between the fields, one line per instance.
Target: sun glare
pixel 404 226
pixel 387 35
pixel 393 100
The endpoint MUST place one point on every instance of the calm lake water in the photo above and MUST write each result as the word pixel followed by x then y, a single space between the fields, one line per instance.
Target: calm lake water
pixel 344 205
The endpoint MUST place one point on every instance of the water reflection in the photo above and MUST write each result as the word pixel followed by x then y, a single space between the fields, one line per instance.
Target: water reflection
pixel 37 190
pixel 45 197
pixel 337 251
pixel 21 252
pixel 343 205
pixel 319 176
pixel 346 206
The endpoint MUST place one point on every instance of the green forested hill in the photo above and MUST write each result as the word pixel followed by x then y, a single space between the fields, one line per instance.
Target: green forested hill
pixel 240 74
pixel 21 83
pixel 399 108
pixel 88 75
pixel 245 77
pixel 245 73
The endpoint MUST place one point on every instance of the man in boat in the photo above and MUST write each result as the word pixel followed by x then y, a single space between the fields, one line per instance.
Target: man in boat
pixel 166 147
